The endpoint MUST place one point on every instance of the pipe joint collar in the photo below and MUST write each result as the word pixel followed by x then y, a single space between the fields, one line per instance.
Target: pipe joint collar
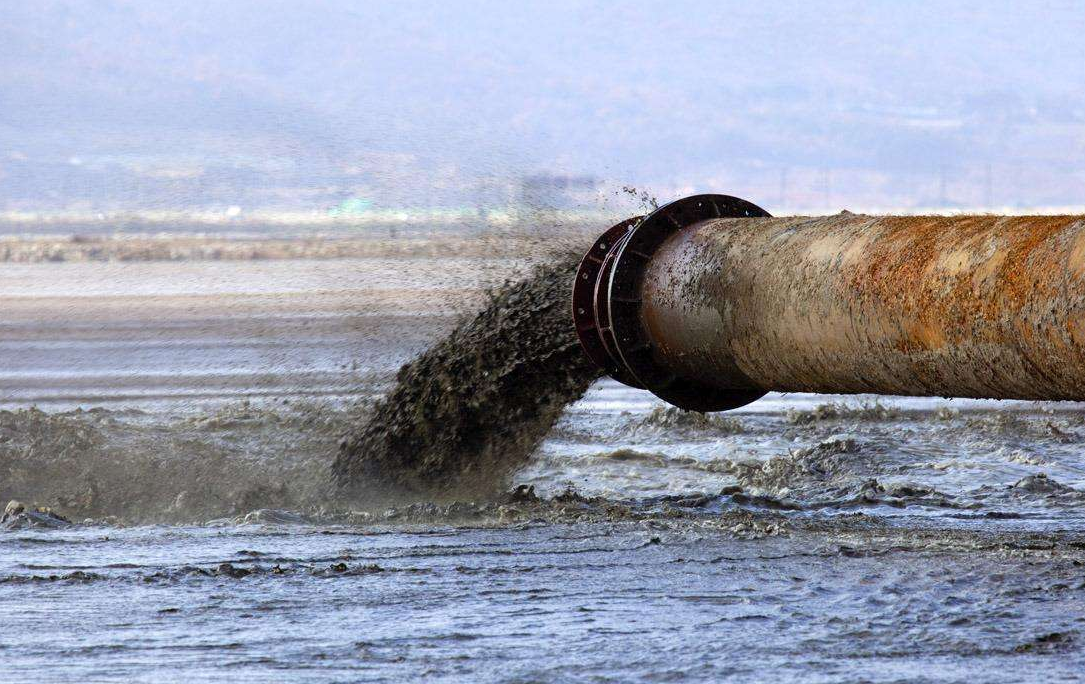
pixel 607 302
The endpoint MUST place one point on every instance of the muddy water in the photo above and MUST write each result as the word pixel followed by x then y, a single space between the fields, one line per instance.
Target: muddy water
pixel 801 538
pixel 473 407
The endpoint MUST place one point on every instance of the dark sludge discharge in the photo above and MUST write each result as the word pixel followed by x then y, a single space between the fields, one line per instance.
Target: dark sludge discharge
pixel 467 412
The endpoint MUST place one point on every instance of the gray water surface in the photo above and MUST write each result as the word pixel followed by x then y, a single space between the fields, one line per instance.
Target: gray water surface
pixel 801 538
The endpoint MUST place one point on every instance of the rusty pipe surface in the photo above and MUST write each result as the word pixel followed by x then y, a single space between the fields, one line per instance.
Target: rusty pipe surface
pixel 717 303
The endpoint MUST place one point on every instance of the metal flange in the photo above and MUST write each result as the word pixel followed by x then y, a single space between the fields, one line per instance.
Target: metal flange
pixel 611 331
pixel 591 310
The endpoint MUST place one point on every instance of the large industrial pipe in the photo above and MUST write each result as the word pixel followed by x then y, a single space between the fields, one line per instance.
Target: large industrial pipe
pixel 709 303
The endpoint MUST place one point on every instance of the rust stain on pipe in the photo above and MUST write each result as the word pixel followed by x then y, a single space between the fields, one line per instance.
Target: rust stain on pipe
pixel 963 306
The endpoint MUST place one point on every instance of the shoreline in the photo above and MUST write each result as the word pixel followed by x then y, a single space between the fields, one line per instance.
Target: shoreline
pixel 145 247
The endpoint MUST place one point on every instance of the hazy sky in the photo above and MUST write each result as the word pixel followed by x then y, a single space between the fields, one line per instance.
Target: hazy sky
pixel 784 97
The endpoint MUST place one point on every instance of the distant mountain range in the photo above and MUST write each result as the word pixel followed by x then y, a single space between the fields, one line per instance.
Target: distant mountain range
pixel 305 104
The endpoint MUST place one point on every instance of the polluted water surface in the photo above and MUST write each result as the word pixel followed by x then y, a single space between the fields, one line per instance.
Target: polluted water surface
pixel 455 520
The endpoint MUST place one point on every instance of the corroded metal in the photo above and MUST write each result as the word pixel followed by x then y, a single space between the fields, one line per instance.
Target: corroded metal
pixel 609 277
pixel 962 306
pixel 591 307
